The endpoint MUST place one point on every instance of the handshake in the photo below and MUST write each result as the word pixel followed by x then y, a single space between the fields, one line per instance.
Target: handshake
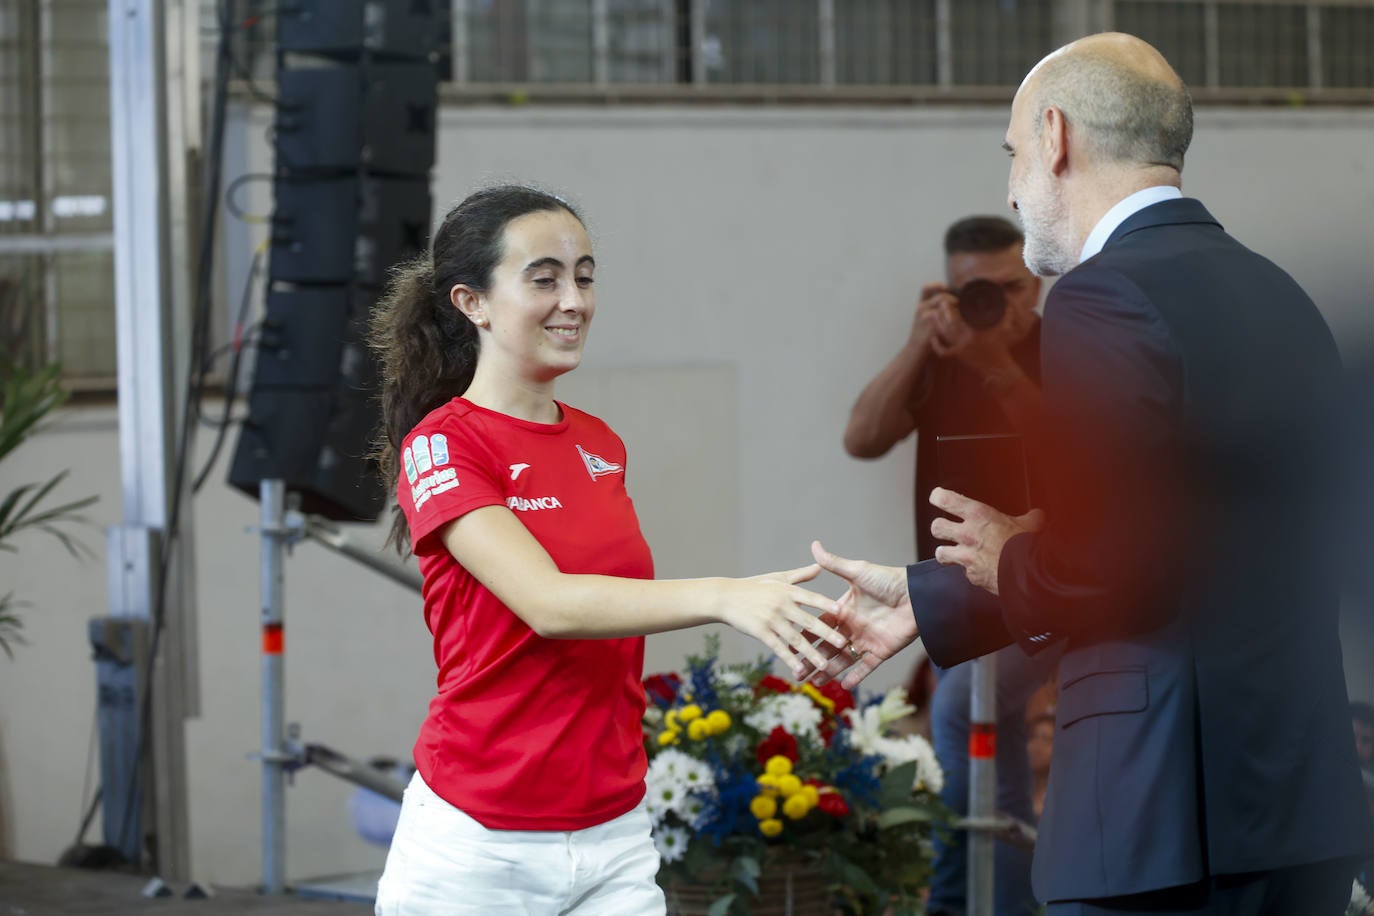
pixel 874 619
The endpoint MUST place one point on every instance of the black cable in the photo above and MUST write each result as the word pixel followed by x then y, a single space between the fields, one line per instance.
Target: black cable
pixel 231 381
pixel 247 339
pixel 86 787
pixel 90 815
pixel 231 206
pixel 195 382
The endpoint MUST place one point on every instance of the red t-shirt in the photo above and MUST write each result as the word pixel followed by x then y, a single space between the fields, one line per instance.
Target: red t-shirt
pixel 526 733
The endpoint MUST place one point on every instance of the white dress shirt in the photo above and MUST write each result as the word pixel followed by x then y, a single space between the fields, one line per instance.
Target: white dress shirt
pixel 1118 215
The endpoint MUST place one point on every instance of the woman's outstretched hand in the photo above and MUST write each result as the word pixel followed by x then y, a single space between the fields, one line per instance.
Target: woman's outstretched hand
pixel 773 608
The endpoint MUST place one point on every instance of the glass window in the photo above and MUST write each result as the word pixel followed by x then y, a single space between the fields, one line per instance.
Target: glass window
pixel 1262 44
pixel 1178 30
pixel 1347 40
pixel 995 42
pixel 885 42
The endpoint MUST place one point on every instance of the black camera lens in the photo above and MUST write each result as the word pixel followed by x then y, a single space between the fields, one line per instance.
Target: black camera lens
pixel 982 303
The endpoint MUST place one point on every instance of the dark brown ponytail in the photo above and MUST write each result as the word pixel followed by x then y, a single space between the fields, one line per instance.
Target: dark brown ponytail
pixel 426 347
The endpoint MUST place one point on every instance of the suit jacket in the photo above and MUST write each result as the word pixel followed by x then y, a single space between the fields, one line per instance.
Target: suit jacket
pixel 1202 725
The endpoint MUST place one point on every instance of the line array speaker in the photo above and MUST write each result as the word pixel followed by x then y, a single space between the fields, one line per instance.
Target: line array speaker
pixel 354 143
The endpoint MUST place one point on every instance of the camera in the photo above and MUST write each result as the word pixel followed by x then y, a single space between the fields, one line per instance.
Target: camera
pixel 982 303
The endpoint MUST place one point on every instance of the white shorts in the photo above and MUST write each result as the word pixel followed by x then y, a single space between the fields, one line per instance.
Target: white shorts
pixel 443 862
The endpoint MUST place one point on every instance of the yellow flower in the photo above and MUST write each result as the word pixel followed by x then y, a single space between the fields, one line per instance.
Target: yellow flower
pixel 796 807
pixel 668 737
pixel 812 794
pixel 763 807
pixel 770 827
pixel 820 699
pixel 718 720
pixel 670 719
pixel 778 765
pixel 789 785
pixel 689 712
pixel 768 782
pixel 698 729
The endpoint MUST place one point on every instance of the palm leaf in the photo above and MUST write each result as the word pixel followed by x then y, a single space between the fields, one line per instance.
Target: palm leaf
pixel 26 398
pixel 10 625
pixel 19 511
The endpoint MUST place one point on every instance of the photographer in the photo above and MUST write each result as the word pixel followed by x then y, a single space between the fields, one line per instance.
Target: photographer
pixel 971 365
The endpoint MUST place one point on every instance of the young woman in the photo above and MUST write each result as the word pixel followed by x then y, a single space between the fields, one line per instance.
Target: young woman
pixel 538 588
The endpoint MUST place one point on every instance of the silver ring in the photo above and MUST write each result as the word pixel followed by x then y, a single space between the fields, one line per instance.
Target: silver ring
pixel 854 653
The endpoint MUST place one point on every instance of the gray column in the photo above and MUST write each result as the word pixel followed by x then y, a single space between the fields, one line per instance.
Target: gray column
pixel 150 70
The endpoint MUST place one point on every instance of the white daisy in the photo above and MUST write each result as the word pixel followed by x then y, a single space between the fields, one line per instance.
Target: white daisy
pixel 696 775
pixel 671 843
pixel 671 764
pixel 694 811
pixel 666 785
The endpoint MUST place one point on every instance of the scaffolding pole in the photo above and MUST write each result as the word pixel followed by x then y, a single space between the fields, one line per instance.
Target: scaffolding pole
pixel 982 785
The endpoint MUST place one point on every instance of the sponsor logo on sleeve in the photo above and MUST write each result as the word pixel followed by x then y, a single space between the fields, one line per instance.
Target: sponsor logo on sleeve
pixel 515 470
pixel 438 449
pixel 441 481
pixel 411 473
pixel 521 504
pixel 598 466
pixel 420 446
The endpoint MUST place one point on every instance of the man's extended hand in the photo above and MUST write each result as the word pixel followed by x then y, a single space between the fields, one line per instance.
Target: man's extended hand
pixel 875 613
pixel 978 537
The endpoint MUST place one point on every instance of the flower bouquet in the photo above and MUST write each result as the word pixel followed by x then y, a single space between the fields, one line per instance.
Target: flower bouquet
pixel 749 773
pixel 1361 904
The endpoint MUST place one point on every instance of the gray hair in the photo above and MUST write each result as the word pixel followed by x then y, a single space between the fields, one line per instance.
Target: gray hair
pixel 1124 115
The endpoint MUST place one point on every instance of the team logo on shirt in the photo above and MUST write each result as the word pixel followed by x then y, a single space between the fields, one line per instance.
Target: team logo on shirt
pixel 598 466
pixel 424 459
pixel 441 481
pixel 438 449
pixel 420 446
pixel 515 470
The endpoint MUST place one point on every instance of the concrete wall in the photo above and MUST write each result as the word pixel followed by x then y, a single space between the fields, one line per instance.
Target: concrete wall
pixel 755 268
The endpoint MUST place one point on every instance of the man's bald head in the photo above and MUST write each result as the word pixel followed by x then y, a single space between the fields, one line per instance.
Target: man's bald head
pixel 1119 95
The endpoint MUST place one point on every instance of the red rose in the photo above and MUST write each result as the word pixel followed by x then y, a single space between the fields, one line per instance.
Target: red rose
pixel 836 694
pixel 778 744
pixel 662 688
pixel 775 684
pixel 832 803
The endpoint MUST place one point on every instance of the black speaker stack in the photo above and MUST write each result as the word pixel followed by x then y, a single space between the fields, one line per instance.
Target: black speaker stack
pixel 354 141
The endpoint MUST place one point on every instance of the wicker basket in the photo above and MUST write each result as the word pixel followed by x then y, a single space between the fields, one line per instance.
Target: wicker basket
pixel 791 889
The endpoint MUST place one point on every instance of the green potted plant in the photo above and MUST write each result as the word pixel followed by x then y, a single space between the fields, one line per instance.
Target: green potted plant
pixel 26 399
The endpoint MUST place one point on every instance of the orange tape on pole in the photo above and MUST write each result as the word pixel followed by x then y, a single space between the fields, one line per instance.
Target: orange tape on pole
pixel 273 639
pixel 982 741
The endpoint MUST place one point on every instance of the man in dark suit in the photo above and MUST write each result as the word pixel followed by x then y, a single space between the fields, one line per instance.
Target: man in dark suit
pixel 1203 761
